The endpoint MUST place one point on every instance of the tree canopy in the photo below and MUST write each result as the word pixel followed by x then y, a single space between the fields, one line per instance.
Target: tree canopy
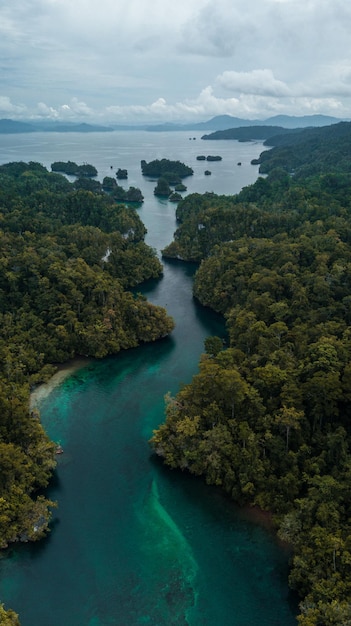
pixel 268 418
pixel 160 167
pixel 69 259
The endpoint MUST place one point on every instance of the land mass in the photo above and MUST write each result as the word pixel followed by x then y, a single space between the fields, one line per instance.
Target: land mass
pixel 268 417
pixel 219 122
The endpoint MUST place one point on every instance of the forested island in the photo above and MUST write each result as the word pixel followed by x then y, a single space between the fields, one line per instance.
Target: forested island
pixel 268 418
pixel 166 168
pixel 69 258
pixel 249 133
pixel 168 174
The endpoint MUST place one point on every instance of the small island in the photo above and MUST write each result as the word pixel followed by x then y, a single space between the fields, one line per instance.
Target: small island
pixel 72 169
pixel 119 194
pixel 121 174
pixel 160 167
pixel 213 158
pixel 162 188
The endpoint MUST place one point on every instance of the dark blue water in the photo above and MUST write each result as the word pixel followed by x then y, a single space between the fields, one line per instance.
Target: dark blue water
pixel 133 542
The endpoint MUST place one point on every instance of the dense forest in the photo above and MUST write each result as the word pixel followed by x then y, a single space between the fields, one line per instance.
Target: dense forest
pixel 268 418
pixel 166 168
pixel 248 133
pixel 69 258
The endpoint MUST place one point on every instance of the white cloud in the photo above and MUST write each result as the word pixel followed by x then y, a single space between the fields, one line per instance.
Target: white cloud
pixel 207 104
pixel 257 82
pixel 8 108
pixel 46 111
pixel 131 59
pixel 74 110
pixel 76 107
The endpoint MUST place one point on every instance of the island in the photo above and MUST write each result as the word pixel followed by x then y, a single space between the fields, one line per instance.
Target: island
pixel 160 167
pixel 122 174
pixel 267 419
pixel 213 157
pixel 71 168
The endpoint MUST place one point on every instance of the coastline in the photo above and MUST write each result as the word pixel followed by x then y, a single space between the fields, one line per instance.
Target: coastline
pixel 64 370
pixel 254 514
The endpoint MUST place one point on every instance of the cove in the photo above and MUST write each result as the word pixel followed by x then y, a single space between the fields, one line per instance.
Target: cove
pixel 133 542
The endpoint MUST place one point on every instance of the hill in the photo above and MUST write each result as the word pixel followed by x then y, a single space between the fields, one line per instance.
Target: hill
pixel 309 151
pixel 248 133
pixel 219 122
pixel 267 417
pixel 10 126
pixel 223 122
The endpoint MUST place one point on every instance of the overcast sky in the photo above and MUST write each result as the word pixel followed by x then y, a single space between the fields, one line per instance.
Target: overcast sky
pixel 174 60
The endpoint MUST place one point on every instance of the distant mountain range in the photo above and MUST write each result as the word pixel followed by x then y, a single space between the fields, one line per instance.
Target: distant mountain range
pixel 223 122
pixel 220 122
pixel 12 126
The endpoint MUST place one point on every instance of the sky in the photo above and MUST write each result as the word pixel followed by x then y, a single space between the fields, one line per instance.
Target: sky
pixel 139 61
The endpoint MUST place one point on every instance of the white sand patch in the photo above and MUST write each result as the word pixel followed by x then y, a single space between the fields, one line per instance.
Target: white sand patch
pixel 44 390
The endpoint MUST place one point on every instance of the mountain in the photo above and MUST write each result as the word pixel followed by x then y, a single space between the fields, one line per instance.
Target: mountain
pixel 288 121
pixel 59 127
pixel 10 126
pixel 250 133
pixel 224 122
pixel 219 122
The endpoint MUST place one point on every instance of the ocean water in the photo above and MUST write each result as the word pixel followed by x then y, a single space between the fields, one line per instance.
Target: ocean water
pixel 133 542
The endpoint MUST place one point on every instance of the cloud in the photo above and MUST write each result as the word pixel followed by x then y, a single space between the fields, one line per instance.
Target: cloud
pixel 74 110
pixel 45 111
pixel 8 108
pixel 257 82
pixel 76 107
pixel 207 104
pixel 135 60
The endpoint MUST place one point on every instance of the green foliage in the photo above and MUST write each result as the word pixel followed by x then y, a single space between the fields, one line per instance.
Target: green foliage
pixel 249 133
pixel 310 151
pixel 268 419
pixel 73 169
pixel 213 157
pixel 8 618
pixel 119 194
pixel 159 167
pixel 175 197
pixel 68 259
pixel 121 174
pixel 213 345
pixel 180 187
pixel 162 188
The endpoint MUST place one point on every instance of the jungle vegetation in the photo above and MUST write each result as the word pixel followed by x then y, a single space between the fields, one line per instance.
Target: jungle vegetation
pixel 248 133
pixel 70 167
pixel 69 259
pixel 168 174
pixel 164 167
pixel 268 419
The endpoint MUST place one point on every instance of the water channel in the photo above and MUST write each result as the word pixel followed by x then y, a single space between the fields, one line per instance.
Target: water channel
pixel 133 542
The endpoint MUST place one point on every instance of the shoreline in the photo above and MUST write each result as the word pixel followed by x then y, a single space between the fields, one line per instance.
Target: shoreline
pixel 63 371
pixel 259 516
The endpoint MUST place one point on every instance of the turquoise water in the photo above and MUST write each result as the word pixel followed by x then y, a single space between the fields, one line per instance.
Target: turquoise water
pixel 133 542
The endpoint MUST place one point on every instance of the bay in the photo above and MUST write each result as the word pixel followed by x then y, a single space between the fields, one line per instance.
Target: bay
pixel 133 542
